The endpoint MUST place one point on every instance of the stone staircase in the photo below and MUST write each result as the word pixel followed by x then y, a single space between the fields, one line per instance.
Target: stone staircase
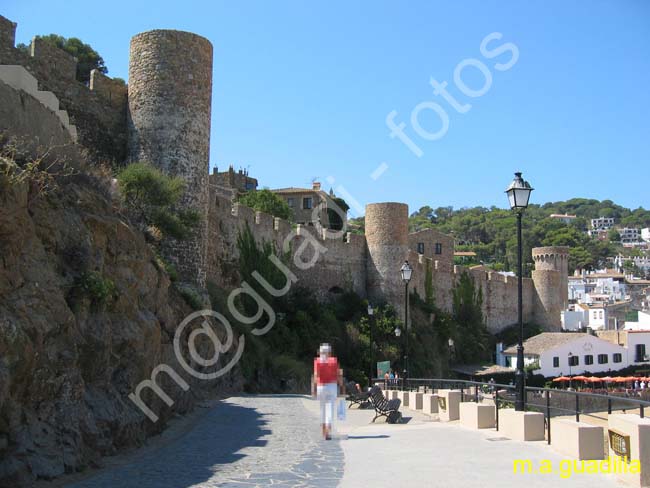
pixel 19 78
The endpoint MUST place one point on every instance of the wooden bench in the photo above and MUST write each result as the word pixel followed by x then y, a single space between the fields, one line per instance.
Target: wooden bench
pixel 385 408
pixel 356 397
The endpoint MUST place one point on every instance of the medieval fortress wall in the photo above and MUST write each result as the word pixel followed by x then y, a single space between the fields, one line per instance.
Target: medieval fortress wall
pixel 164 118
pixel 97 111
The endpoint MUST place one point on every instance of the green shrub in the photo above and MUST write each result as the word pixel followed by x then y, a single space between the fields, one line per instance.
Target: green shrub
pixel 266 201
pixel 168 268
pixel 150 196
pixel 95 287
pixel 191 297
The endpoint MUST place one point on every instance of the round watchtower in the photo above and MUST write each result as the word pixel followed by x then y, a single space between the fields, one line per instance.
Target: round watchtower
pixel 550 277
pixel 170 93
pixel 387 240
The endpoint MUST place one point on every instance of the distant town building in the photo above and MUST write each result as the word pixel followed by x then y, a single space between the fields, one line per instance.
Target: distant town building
pixel 602 223
pixel 641 323
pixel 308 206
pixel 232 183
pixel 641 262
pixel 585 287
pixel 645 234
pixel 566 218
pixel 629 235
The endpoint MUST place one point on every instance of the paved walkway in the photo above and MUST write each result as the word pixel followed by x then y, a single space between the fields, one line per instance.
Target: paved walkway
pixel 275 440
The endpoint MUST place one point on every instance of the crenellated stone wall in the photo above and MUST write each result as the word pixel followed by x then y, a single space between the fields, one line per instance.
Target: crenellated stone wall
pixel 100 120
pixel 499 292
pixel 340 264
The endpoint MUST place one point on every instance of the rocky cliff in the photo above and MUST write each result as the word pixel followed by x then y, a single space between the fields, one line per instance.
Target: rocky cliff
pixel 86 313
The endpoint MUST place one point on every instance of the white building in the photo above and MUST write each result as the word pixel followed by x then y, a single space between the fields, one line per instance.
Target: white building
pixel 571 353
pixel 566 218
pixel 642 322
pixel 645 234
pixel 574 320
pixel 629 235
pixel 602 223
pixel 583 289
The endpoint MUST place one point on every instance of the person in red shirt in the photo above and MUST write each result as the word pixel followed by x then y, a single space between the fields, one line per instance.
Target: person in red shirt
pixel 327 376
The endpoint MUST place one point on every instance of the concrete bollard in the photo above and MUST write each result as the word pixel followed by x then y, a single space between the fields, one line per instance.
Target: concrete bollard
pixel 477 415
pixel 415 400
pixel 630 433
pixel 404 396
pixel 577 439
pixel 521 425
pixel 391 394
pixel 430 403
pixel 448 405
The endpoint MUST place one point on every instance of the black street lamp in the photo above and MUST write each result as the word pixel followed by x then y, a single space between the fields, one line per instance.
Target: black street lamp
pixel 518 194
pixel 398 333
pixel 406 272
pixel 371 312
pixel 570 364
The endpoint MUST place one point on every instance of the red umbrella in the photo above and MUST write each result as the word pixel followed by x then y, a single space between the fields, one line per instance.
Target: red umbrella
pixel 580 378
pixel 621 379
pixel 560 378
pixel 607 378
pixel 594 379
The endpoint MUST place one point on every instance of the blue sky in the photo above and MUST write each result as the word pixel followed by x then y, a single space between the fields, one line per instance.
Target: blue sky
pixel 301 90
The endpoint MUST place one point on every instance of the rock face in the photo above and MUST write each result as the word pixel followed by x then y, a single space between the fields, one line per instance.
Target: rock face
pixel 68 360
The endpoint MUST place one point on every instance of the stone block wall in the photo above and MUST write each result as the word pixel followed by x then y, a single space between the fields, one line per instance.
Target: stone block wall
pixel 499 291
pixel 115 91
pixel 429 238
pixel 100 122
pixel 59 63
pixel 7 32
pixel 341 263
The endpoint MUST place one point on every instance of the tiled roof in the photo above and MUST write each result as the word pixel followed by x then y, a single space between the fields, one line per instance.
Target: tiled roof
pixel 536 345
pixel 297 190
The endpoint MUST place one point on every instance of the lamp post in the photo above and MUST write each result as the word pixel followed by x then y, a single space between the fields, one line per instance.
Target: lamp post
pixel 371 312
pixel 398 333
pixel 518 194
pixel 406 272
pixel 570 364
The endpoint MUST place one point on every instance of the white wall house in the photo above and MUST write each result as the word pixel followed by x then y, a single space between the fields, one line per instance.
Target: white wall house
pixel 642 323
pixel 645 234
pixel 583 288
pixel 566 218
pixel 564 353
pixel 629 235
pixel 602 223
pixel 574 320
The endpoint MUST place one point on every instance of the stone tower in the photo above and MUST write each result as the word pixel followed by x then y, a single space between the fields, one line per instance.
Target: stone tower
pixel 170 93
pixel 551 285
pixel 387 239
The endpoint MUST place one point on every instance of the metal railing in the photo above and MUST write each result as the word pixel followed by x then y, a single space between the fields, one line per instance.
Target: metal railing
pixel 552 402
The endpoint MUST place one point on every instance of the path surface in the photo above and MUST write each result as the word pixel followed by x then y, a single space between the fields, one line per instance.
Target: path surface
pixel 275 440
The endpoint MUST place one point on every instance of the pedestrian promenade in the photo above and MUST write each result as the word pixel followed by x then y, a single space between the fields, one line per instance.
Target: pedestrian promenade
pixel 274 440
